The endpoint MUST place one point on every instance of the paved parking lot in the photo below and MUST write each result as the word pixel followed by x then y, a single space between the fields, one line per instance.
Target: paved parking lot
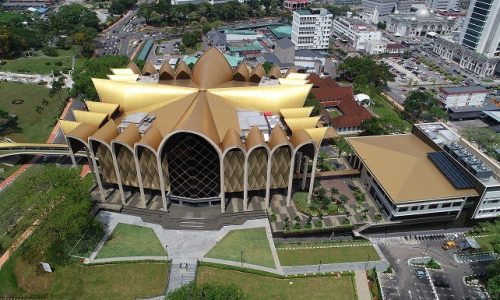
pixel 389 287
pixel 441 285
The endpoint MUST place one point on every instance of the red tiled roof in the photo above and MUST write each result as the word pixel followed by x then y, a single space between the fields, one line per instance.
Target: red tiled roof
pixel 329 94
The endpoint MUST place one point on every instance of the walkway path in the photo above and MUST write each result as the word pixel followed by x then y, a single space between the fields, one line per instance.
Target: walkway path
pixel 362 285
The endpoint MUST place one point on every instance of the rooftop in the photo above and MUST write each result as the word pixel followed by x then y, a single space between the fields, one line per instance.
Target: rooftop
pixel 469 89
pixel 401 166
pixel 284 31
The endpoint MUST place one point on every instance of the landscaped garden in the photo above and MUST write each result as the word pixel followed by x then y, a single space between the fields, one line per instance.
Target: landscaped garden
pixel 249 245
pixel 132 240
pixel 326 253
pixel 40 63
pixel 260 286
pixel 22 279
pixel 37 113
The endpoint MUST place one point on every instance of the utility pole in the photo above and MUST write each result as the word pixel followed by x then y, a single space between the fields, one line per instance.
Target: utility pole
pixel 319 266
pixel 241 258
pixel 426 248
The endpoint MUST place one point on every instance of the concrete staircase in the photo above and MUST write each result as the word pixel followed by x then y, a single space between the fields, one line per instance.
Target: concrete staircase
pixel 181 273
pixel 170 221
pixel 357 232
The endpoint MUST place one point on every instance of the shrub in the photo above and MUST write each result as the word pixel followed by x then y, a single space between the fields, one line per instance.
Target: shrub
pixel 433 264
pixel 318 224
pixel 58 63
pixel 273 217
pixel 343 198
pixel 50 51
pixel 378 217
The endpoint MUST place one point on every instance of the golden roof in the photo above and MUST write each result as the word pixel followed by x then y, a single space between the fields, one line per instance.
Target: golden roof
pixel 166 71
pixel 132 66
pixel 149 69
pixel 301 123
pixel 125 77
pixel 254 139
pixel 291 70
pixel 277 137
pixel 151 139
pixel 297 76
pixel 296 112
pixel 100 107
pixel 82 132
pixel 91 118
pixel 286 81
pixel 129 136
pixel 203 101
pixel 122 71
pixel 401 166
pixel 300 137
pixel 257 73
pixel 317 134
pixel 106 133
pixel 274 73
pixel 67 126
pixel 232 140
pixel 242 72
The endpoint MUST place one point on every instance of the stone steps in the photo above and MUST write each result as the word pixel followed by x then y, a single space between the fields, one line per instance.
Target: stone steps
pixel 181 275
pixel 167 221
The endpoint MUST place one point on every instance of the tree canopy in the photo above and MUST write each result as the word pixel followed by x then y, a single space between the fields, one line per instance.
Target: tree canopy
pixel 207 291
pixel 423 106
pixel 364 71
pixel 383 126
pixel 94 68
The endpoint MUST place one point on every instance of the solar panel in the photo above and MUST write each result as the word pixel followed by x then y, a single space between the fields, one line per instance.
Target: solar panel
pixel 454 174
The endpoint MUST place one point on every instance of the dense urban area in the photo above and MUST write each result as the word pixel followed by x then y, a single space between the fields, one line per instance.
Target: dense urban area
pixel 250 149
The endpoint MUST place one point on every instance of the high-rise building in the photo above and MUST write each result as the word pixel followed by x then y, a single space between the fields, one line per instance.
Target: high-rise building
pixel 481 31
pixel 311 28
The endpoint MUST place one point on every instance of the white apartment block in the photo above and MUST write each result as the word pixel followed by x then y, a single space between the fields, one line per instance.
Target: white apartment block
pixel 436 5
pixel 462 96
pixel 311 29
pixel 356 31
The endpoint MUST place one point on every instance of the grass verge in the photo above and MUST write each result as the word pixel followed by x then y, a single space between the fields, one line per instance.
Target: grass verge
pixel 251 245
pixel 313 256
pixel 257 286
pixel 132 240
pixel 19 278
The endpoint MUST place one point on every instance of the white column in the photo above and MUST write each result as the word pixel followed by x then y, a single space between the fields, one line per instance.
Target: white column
pixel 139 177
pixel 290 179
pixel 245 184
pixel 118 176
pixel 313 174
pixel 98 178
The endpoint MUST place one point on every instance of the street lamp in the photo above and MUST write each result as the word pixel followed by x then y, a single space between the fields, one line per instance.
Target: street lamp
pixel 319 266
pixel 241 258
pixel 366 265
pixel 426 248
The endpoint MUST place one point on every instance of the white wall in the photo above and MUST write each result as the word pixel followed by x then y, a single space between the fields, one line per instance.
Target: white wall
pixel 461 100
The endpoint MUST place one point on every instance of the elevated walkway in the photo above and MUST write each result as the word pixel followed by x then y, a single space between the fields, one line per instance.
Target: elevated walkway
pixel 331 174
pixel 11 149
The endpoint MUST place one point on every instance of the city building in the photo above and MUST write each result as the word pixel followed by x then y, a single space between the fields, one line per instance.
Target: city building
pixel 341 102
pixel 441 5
pixel 25 4
pixel 311 29
pixel 374 10
pixel 478 47
pixel 294 5
pixel 197 136
pixel 395 49
pixel 431 174
pixel 449 48
pixel 217 39
pixel 356 31
pixel 481 31
pixel 461 96
pixel 420 23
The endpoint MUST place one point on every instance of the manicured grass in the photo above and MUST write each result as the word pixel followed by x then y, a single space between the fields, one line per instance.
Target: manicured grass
pixel 485 242
pixel 34 126
pixel 299 257
pixel 40 64
pixel 253 242
pixel 19 278
pixel 334 113
pixel 132 240
pixel 263 287
pixel 87 244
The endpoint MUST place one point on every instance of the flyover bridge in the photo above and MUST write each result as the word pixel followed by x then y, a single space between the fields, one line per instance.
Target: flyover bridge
pixel 11 149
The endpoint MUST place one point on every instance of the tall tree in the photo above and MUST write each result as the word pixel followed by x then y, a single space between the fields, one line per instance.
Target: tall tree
pixel 423 106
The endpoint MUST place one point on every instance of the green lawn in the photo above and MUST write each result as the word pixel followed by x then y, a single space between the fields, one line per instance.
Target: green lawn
pixel 40 64
pixel 18 278
pixel 485 242
pixel 87 244
pixel 263 287
pixel 253 242
pixel 299 257
pixel 33 126
pixel 334 113
pixel 132 240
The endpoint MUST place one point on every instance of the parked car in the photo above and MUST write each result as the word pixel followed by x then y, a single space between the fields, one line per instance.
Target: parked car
pixel 421 274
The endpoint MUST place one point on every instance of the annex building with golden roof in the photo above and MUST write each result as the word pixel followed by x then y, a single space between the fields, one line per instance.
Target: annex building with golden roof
pixel 198 136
